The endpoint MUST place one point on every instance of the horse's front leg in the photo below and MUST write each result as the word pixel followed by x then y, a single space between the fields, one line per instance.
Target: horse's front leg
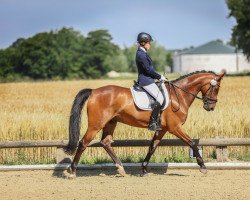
pixel 180 133
pixel 153 145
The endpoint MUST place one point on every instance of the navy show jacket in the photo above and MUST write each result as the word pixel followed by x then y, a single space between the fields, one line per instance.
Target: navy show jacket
pixel 146 71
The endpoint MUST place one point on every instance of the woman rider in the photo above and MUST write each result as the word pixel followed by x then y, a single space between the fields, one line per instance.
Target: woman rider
pixel 146 76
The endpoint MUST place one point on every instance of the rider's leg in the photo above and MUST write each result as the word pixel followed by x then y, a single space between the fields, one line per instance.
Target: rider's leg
pixel 154 124
pixel 154 91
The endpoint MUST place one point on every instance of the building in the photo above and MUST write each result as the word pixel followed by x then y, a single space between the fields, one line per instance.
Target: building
pixel 212 56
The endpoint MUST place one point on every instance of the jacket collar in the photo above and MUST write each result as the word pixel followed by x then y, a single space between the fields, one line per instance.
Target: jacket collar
pixel 142 49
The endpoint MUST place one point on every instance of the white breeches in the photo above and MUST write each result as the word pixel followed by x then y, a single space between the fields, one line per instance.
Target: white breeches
pixel 153 90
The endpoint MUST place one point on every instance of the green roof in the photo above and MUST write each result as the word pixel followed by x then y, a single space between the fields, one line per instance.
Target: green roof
pixel 213 47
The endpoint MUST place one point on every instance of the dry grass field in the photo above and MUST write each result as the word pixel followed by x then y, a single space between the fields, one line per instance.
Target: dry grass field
pixel 40 111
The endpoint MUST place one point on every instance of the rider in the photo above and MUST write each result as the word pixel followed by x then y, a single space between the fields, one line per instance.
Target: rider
pixel 146 76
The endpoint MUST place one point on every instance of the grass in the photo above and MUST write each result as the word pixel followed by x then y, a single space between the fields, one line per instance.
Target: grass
pixel 244 157
pixel 21 157
pixel 40 111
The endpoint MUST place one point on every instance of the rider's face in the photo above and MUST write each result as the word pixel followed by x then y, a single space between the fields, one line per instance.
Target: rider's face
pixel 147 46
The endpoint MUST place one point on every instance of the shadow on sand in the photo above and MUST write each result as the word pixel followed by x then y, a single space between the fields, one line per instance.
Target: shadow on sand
pixel 61 171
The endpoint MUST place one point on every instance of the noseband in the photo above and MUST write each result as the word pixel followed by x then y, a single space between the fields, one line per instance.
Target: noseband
pixel 207 99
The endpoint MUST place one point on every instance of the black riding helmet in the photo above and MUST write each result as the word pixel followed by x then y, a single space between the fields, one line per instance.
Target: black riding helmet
pixel 144 37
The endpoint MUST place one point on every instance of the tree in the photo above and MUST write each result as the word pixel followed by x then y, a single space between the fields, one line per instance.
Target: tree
pixel 240 10
pixel 129 53
pixel 158 54
pixel 99 47
pixel 169 61
pixel 68 50
pixel 65 53
pixel 6 67
pixel 9 58
pixel 117 62
pixel 48 55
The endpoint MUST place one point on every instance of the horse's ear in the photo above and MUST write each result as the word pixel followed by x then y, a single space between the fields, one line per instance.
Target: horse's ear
pixel 220 76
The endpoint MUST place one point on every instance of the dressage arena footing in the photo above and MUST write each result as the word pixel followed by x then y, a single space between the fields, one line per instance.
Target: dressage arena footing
pixel 107 166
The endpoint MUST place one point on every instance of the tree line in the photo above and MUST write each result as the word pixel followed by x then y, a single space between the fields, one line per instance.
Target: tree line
pixel 240 10
pixel 67 54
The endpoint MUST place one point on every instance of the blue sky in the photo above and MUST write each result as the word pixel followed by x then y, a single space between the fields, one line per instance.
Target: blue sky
pixel 172 23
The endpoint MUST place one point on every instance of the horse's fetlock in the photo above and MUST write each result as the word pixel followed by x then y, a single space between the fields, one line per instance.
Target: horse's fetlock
pixel 105 143
pixel 144 164
pixel 200 161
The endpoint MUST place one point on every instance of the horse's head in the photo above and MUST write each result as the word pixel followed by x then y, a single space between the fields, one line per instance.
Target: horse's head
pixel 210 92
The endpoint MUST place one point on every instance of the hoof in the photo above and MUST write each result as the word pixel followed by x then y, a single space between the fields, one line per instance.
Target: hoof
pixel 69 170
pixel 71 176
pixel 203 170
pixel 120 170
pixel 144 174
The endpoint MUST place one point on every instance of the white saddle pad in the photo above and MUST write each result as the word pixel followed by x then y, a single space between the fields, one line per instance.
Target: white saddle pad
pixel 142 99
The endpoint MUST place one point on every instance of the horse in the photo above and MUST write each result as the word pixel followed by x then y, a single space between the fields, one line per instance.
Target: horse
pixel 110 104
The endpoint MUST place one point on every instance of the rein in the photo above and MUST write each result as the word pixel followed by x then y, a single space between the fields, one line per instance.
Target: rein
pixel 204 98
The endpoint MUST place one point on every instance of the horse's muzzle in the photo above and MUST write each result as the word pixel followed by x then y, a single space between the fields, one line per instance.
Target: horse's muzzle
pixel 208 108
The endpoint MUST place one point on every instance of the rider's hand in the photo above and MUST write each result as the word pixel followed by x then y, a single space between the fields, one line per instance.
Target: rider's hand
pixel 163 78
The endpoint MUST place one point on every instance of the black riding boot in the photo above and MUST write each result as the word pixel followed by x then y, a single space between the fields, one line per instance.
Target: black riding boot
pixel 154 121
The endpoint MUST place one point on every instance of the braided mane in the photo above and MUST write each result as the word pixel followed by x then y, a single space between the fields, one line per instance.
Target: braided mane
pixel 192 73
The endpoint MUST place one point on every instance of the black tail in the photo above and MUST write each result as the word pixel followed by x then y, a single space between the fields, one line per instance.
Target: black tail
pixel 75 120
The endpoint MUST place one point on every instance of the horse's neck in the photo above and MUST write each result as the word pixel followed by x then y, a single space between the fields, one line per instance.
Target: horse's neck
pixel 193 85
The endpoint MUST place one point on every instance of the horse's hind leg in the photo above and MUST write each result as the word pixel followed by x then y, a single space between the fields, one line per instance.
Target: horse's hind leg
pixel 83 143
pixel 106 141
pixel 153 145
pixel 180 133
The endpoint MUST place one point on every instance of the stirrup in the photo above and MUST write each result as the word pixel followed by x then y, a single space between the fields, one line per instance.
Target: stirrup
pixel 154 127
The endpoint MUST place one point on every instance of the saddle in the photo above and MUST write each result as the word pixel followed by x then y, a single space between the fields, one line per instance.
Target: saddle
pixel 144 100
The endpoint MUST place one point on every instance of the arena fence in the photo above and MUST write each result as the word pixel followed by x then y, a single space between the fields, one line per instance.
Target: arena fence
pixel 220 144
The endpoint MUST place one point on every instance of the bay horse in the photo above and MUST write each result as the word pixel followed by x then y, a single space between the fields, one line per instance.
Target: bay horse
pixel 111 104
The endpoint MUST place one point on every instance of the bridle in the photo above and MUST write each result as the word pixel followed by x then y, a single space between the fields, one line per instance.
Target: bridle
pixel 207 99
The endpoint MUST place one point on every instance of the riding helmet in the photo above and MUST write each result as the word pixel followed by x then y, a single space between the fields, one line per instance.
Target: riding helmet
pixel 144 37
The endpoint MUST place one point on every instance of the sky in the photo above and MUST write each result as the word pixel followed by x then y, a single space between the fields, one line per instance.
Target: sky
pixel 175 24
